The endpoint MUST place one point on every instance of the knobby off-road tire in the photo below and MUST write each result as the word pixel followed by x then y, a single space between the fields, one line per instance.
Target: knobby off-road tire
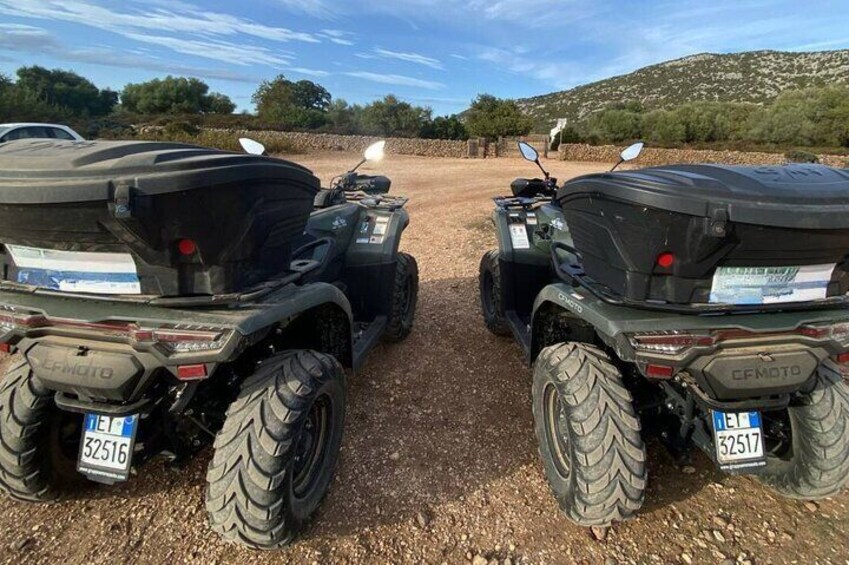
pixel 276 454
pixel 817 463
pixel 405 295
pixel 26 459
pixel 489 278
pixel 589 435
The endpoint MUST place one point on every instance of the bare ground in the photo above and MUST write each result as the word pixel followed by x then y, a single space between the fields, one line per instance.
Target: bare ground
pixel 439 463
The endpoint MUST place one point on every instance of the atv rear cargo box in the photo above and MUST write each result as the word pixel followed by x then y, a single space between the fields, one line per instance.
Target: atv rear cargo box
pixel 660 234
pixel 160 218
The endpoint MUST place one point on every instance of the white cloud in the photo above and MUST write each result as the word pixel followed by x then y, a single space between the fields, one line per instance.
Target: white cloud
pixel 337 36
pixel 316 8
pixel 179 27
pixel 308 72
pixel 409 57
pixel 181 18
pixel 35 40
pixel 558 74
pixel 396 80
pixel 228 52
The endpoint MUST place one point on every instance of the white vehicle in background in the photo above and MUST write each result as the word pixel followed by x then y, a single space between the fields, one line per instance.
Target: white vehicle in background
pixel 9 132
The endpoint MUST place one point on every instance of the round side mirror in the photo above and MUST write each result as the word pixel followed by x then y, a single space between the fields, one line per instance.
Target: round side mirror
pixel 374 152
pixel 528 152
pixel 632 152
pixel 252 147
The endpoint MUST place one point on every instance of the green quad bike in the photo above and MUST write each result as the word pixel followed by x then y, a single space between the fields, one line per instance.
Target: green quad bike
pixel 161 297
pixel 705 303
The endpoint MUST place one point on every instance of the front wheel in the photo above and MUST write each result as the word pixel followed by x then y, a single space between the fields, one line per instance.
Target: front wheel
pixel 808 443
pixel 589 435
pixel 276 454
pixel 405 295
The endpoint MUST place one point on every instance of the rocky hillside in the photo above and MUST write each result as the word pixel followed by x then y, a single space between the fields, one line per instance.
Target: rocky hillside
pixel 755 76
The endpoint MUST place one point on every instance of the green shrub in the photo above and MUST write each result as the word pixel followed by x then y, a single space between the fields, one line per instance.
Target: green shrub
pixel 798 156
pixel 173 129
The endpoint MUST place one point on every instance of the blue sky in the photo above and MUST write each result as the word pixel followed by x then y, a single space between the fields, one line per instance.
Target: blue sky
pixel 438 53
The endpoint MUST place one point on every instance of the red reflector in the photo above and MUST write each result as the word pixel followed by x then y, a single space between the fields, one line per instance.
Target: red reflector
pixel 843 358
pixel 191 372
pixel 6 348
pixel 187 246
pixel 665 260
pixel 659 371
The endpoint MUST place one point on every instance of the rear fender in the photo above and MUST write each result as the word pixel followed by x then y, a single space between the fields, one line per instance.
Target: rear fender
pixel 558 317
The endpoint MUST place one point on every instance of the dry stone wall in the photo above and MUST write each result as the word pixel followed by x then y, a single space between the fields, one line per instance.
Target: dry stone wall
pixel 653 156
pixel 310 142
pixel 506 147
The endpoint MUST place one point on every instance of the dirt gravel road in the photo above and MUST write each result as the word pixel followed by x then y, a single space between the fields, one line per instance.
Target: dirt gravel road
pixel 439 463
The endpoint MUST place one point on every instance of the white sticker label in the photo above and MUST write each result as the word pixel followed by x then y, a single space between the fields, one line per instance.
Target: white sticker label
pixel 76 271
pixel 770 285
pixel 519 236
pixel 380 227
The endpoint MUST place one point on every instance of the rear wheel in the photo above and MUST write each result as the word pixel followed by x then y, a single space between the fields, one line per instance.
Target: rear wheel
pixel 589 435
pixel 405 294
pixel 808 444
pixel 38 442
pixel 490 288
pixel 276 454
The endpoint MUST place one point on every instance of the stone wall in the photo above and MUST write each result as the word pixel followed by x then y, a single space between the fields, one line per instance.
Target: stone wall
pixel 311 142
pixel 653 156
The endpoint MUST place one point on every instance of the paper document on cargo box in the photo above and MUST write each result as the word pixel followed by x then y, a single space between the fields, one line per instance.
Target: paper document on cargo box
pixel 770 285
pixel 76 271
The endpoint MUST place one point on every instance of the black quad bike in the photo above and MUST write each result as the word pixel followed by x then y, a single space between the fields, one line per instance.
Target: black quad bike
pixel 160 297
pixel 706 303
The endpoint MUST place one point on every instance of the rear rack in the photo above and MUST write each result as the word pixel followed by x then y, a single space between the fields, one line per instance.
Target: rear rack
pixel 520 202
pixel 574 275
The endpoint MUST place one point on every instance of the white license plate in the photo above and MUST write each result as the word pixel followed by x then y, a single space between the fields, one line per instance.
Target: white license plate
pixel 106 447
pixel 739 439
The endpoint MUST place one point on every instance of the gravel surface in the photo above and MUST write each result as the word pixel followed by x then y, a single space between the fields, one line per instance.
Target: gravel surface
pixel 439 463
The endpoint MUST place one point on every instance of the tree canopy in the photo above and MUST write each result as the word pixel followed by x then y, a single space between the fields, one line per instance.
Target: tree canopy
pixel 394 118
pixel 493 117
pixel 174 95
pixel 300 105
pixel 67 90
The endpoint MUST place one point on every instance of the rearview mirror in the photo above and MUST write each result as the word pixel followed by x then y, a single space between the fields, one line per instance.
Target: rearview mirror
pixel 528 152
pixel 374 152
pixel 252 147
pixel 632 152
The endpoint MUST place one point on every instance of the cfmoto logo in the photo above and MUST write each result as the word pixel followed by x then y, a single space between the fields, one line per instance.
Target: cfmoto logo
pixel 770 372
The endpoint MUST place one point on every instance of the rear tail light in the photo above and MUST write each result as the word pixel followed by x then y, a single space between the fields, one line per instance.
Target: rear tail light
pixel 5 348
pixel 181 341
pixel 843 358
pixel 669 342
pixel 173 339
pixel 675 342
